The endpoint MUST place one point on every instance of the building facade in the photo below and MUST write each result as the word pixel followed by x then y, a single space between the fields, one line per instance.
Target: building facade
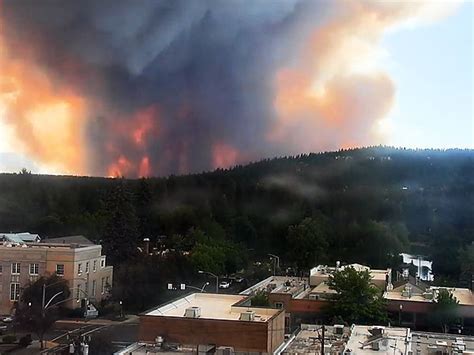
pixel 82 265
pixel 214 322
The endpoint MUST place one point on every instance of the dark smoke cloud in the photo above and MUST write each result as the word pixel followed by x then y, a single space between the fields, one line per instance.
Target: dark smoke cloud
pixel 183 86
pixel 207 65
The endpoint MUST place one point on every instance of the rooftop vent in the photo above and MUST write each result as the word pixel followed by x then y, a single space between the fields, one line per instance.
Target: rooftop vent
pixel 247 316
pixel 338 329
pixel 192 312
pixel 376 330
pixel 428 295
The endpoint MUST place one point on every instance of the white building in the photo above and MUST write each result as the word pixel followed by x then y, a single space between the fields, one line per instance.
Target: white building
pixel 424 267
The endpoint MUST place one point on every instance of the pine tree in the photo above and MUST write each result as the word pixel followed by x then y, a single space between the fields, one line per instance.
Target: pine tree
pixel 120 236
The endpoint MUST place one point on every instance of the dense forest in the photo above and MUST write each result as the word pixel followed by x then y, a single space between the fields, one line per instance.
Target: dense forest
pixel 360 205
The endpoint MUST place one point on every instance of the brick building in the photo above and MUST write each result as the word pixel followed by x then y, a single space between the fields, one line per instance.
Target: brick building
pixel 82 264
pixel 213 322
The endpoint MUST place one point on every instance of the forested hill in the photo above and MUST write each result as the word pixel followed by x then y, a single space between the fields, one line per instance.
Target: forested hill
pixel 354 205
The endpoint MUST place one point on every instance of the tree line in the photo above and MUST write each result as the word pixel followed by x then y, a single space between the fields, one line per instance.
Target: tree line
pixel 360 205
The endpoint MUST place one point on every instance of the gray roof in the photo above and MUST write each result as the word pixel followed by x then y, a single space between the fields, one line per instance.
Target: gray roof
pixel 73 239
pixel 20 237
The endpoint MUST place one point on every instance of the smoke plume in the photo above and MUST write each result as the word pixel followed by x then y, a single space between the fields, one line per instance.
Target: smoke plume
pixel 150 87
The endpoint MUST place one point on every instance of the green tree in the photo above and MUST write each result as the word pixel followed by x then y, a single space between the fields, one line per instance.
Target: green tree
pixel 120 234
pixel 260 299
pixel 357 299
pixel 144 207
pixel 101 344
pixel 308 242
pixel 445 310
pixel 30 314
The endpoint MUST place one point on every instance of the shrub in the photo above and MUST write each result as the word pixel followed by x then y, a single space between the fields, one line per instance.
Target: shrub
pixel 25 341
pixel 9 339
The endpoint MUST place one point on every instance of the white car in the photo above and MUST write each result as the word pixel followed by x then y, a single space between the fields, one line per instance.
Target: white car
pixel 224 284
pixel 7 320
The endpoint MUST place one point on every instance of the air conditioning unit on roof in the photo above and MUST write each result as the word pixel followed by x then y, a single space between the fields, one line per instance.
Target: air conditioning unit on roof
pixel 247 316
pixel 192 312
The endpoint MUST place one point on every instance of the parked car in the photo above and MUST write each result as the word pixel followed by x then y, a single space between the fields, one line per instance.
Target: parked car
pixel 7 320
pixel 224 284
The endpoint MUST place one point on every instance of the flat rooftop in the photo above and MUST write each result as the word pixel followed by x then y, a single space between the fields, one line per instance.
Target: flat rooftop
pixel 426 343
pixel 396 338
pixel 463 295
pixel 44 246
pixel 325 271
pixel 323 288
pixel 213 306
pixel 307 340
pixel 280 284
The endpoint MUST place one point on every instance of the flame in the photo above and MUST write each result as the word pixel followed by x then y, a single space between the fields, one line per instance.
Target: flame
pixel 120 168
pixel 144 169
pixel 144 125
pixel 47 121
pixel 224 155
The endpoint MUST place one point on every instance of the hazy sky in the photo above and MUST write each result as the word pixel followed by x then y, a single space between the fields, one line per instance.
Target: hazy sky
pixel 153 87
pixel 432 67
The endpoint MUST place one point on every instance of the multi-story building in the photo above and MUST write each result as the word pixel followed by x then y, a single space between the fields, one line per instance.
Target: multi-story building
pixel 414 302
pixel 319 275
pixel 209 323
pixel 81 264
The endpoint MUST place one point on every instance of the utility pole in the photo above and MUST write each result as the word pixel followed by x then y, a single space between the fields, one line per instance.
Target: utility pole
pixel 322 340
pixel 276 262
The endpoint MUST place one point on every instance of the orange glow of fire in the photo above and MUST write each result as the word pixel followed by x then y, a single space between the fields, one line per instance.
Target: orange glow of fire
pixel 224 155
pixel 120 168
pixel 144 168
pixel 144 126
pixel 47 120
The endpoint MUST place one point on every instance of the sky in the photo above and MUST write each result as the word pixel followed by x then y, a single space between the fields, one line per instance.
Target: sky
pixel 155 87
pixel 432 67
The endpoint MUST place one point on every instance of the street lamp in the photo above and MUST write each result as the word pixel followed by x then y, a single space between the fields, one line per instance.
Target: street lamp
pixel 276 262
pixel 213 275
pixel 45 305
pixel 121 309
pixel 400 315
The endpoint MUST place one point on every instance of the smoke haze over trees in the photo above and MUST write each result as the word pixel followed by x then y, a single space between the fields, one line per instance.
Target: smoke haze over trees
pixel 361 206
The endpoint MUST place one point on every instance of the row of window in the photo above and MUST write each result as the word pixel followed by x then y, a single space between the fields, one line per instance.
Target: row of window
pixel 94 266
pixel 15 289
pixel 34 268
pixel 80 294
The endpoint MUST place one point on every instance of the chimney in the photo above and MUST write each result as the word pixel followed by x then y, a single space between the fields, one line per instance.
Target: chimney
pixel 146 242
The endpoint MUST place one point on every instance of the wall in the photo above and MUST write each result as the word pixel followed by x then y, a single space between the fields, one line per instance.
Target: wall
pixel 276 331
pixel 48 258
pixel 242 336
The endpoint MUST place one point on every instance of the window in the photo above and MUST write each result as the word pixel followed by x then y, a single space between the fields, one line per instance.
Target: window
pixel 86 288
pixel 279 305
pixel 107 285
pixel 102 286
pixel 60 269
pixel 102 263
pixel 14 291
pixel 15 268
pixel 34 269
pixel 79 269
pixel 93 287
pixel 1 268
pixel 87 267
pixel 78 293
pixel 94 266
